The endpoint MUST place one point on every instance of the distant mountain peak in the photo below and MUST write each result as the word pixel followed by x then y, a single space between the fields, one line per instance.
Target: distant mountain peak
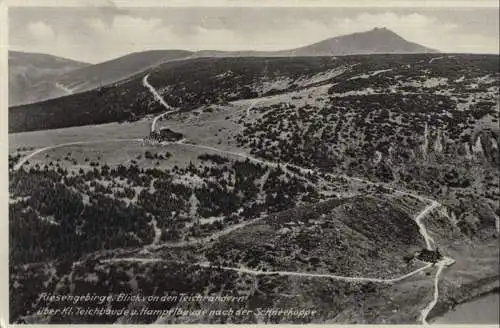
pixel 375 41
pixel 376 31
pixel 384 32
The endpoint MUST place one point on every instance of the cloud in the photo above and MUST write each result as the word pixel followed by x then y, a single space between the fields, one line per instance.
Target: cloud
pixel 128 33
pixel 97 36
pixel 41 31
pixel 127 30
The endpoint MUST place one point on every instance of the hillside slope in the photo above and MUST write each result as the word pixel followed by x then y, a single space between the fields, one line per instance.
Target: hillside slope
pixel 191 83
pixel 30 70
pixel 117 69
pixel 87 77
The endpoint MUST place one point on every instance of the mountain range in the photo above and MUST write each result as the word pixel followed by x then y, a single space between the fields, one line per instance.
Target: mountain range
pixel 37 77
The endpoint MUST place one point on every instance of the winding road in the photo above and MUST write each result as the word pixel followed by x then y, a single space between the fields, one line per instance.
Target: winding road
pixel 162 101
pixel 446 261
pixel 430 243
pixel 275 273
pixel 26 158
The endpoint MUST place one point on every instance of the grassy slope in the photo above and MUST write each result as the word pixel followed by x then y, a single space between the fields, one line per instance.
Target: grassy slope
pixel 350 240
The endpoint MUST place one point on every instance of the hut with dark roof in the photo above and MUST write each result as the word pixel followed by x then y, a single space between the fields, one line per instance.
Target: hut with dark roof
pixel 429 256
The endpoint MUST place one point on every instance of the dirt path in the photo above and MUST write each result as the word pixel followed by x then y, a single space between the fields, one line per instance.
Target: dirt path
pixel 252 105
pixel 64 88
pixel 207 239
pixel 160 99
pixel 446 261
pixel 423 231
pixel 41 150
pixel 278 273
pixel 157 231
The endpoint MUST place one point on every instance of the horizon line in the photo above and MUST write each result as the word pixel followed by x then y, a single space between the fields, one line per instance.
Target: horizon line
pixel 438 52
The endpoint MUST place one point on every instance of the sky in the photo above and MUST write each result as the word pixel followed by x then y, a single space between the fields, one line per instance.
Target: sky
pixel 95 34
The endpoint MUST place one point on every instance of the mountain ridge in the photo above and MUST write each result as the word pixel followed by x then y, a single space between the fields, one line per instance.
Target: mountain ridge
pixel 88 77
pixel 81 79
pixel 27 69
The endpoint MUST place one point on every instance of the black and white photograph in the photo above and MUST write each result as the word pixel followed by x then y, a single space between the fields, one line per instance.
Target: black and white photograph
pixel 251 162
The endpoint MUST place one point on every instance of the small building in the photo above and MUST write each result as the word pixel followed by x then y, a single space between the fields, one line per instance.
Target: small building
pixel 165 134
pixel 429 256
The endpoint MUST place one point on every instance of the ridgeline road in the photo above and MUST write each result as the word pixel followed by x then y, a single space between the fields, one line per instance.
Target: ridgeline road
pixel 430 243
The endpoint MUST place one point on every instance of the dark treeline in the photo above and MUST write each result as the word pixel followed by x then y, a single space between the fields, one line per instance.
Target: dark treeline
pixel 59 214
